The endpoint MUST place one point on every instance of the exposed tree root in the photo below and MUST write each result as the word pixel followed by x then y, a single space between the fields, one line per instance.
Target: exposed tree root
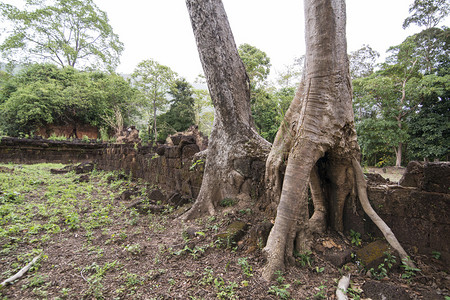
pixel 387 232
pixel 341 291
pixel 21 272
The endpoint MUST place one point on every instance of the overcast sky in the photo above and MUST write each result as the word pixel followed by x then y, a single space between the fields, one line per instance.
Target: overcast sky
pixel 161 30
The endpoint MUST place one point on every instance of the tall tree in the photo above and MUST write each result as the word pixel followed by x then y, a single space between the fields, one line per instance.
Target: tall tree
pixel 317 139
pixel 233 141
pixel 257 64
pixel 181 113
pixel 264 106
pixel 429 124
pixel 203 108
pixel 427 13
pixel 66 32
pixel 154 81
pixel 362 61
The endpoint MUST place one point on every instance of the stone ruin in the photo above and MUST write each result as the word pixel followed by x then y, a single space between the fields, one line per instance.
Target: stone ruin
pixel 129 135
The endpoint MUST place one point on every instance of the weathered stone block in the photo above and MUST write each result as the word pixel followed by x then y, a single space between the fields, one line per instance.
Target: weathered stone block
pixel 233 233
pixel 172 152
pixel 187 139
pixel 189 151
pixel 436 177
pixel 372 254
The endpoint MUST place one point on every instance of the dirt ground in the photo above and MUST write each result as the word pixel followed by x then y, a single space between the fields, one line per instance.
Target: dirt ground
pixel 144 252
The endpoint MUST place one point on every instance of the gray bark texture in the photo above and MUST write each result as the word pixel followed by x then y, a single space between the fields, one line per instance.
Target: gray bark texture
pixel 234 139
pixel 316 141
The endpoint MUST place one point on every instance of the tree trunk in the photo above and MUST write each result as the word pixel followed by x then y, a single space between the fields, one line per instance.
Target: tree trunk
pixel 155 130
pixel 319 125
pixel 398 155
pixel 234 142
pixel 317 139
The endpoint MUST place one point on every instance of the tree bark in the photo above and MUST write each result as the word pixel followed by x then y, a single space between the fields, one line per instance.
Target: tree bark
pixel 318 125
pixel 234 140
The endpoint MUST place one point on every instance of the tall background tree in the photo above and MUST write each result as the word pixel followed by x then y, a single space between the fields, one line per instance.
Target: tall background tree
pixel 203 108
pixel 181 113
pixel 398 107
pixel 154 81
pixel 66 32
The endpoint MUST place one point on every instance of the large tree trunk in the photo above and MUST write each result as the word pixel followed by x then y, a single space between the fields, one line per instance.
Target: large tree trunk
pixel 317 139
pixel 234 141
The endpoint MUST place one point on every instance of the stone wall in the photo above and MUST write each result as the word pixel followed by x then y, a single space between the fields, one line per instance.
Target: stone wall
pixel 169 168
pixel 418 213
pixel 31 151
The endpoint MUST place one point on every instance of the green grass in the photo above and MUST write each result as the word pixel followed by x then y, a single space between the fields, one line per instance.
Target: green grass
pixel 36 207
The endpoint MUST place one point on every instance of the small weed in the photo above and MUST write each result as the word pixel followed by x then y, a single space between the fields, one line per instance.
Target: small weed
pixel 227 202
pixel 198 162
pixel 280 279
pixel 319 269
pixel 321 291
pixel 73 220
pixel 132 279
pixel 134 249
pixel 225 291
pixel 355 294
pixel 304 258
pixel 196 252
pixel 356 237
pixel 383 268
pixel 436 255
pixel 280 291
pixel 207 277
pixel 188 273
pixel 245 266
pixel 410 272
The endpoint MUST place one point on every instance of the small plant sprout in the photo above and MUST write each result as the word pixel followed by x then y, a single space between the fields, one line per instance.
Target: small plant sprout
pixel 304 258
pixel 245 266
pixel 356 237
pixel 409 272
pixel 436 255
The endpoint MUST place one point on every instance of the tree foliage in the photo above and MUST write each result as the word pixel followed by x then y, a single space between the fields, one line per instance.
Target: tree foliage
pixel 404 102
pixel 154 81
pixel 257 64
pixel 43 94
pixel 203 108
pixel 362 61
pixel 66 32
pixel 427 13
pixel 181 114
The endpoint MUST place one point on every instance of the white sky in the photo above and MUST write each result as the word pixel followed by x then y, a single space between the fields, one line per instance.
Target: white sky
pixel 161 30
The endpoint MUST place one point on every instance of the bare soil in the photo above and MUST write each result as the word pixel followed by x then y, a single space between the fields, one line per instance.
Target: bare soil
pixel 392 173
pixel 145 255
